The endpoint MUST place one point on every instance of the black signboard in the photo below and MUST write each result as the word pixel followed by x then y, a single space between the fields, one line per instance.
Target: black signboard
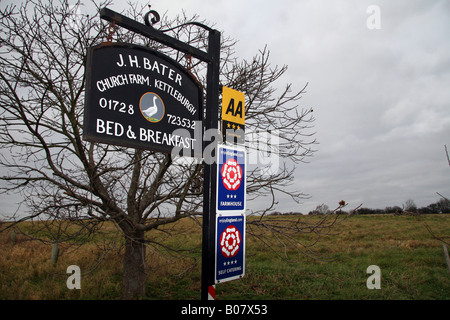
pixel 139 98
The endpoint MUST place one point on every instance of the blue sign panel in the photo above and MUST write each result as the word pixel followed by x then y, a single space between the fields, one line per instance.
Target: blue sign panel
pixel 231 180
pixel 230 248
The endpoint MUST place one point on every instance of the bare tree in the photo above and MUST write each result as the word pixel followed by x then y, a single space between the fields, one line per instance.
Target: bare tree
pixel 42 87
pixel 410 206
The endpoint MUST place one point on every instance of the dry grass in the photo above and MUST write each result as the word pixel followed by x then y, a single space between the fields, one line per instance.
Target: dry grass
pixel 411 260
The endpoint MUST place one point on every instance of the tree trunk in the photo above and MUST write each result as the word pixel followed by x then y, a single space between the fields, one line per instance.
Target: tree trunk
pixel 134 273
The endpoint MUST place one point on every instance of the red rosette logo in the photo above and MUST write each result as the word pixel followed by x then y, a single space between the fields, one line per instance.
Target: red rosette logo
pixel 230 241
pixel 231 174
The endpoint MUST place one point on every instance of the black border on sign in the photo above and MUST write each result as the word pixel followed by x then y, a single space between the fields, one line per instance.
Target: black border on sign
pixel 88 85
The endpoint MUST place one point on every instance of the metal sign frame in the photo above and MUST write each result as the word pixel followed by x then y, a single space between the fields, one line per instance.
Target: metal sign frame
pixel 212 58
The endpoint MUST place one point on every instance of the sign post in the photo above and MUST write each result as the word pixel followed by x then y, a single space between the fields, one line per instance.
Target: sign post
pixel 212 58
pixel 139 98
pixel 210 167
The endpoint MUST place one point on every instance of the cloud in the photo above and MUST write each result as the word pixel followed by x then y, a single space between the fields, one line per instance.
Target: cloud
pixel 380 96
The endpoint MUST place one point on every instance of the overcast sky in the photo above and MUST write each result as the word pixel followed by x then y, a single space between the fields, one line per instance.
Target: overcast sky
pixel 380 89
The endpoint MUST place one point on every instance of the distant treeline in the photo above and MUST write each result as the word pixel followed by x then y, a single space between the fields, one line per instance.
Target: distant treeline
pixel 442 206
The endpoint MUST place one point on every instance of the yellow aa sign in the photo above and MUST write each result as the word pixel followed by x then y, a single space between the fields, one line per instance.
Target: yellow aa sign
pixel 233 106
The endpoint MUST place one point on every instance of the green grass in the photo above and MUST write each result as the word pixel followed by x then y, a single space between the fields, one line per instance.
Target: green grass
pixel 411 261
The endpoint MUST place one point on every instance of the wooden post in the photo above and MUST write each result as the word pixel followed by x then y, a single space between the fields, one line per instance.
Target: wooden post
pixel 447 258
pixel 13 237
pixel 55 252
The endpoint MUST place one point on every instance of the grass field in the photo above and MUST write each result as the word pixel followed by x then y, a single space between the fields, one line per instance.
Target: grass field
pixel 411 261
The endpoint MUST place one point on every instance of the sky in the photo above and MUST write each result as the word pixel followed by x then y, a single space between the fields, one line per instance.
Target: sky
pixel 379 79
pixel 379 84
